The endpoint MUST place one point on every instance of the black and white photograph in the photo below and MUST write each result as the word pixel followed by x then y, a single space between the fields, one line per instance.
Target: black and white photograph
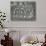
pixel 23 11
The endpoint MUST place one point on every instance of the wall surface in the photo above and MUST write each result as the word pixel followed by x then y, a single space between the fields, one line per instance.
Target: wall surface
pixel 40 14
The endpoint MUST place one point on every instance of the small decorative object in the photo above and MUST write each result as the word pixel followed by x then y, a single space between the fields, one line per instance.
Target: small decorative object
pixel 2 18
pixel 23 11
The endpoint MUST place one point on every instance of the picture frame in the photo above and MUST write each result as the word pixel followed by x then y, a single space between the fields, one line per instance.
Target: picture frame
pixel 23 11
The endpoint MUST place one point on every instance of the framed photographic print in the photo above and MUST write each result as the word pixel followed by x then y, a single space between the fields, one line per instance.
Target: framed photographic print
pixel 23 11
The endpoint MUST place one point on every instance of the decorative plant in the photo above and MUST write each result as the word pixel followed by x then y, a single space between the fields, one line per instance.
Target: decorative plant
pixel 2 18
